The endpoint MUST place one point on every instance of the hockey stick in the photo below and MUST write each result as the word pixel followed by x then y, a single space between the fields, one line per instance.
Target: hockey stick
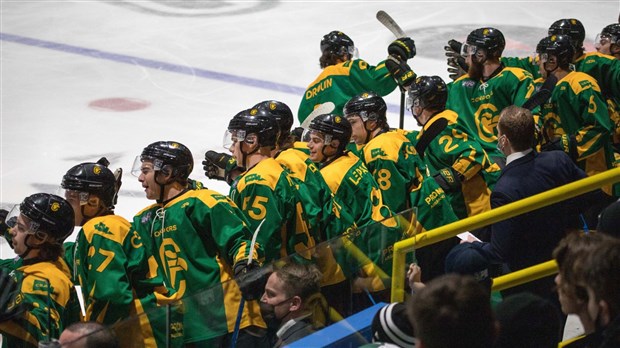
pixel 320 109
pixel 389 23
pixel 242 303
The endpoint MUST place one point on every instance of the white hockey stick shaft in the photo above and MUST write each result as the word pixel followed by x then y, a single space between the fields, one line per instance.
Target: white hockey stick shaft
pixel 389 23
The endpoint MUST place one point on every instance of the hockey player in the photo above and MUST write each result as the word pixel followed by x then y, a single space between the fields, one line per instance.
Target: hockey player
pixel 265 192
pixel 608 40
pixel 455 159
pixel 111 264
pixel 488 87
pixel 393 160
pixel 40 287
pixel 359 213
pixel 198 237
pixel 344 76
pixel 576 118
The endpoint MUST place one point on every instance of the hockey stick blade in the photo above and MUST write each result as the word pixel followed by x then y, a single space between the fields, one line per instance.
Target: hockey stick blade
pixel 543 94
pixel 389 23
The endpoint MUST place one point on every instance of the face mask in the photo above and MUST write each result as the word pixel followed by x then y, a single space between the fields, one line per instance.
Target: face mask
pixel 499 145
pixel 268 313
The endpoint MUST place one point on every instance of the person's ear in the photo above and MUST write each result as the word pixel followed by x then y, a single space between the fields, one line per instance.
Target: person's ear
pixel 604 312
pixel 295 303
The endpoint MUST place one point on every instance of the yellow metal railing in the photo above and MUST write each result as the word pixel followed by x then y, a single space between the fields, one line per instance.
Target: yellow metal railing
pixel 498 214
pixel 525 275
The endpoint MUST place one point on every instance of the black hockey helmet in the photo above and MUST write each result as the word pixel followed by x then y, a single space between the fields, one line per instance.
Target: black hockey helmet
pixel 429 92
pixel 250 122
pixel 334 127
pixel 92 178
pixel 490 39
pixel 338 43
pixel 541 46
pixel 278 110
pixel 571 27
pixel 612 32
pixel 170 157
pixel 368 105
pixel 561 47
pixel 48 214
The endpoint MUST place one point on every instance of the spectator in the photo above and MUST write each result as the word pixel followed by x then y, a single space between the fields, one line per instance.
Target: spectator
pixel 391 327
pixel 88 335
pixel 452 311
pixel 288 302
pixel 527 320
pixel 609 220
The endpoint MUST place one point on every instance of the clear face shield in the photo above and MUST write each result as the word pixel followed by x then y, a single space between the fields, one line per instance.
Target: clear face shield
pixel 23 224
pixel 602 40
pixel 144 167
pixel 353 51
pixel 412 100
pixel 74 196
pixel 467 50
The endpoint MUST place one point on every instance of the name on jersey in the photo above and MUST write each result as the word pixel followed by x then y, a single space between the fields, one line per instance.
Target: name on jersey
pixel 164 230
pixel 482 97
pixel 358 173
pixel 325 84
pixel 435 197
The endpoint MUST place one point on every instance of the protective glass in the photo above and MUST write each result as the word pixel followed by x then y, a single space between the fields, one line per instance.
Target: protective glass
pixel 411 101
pixel 355 54
pixel 468 49
pixel 543 57
pixel 231 136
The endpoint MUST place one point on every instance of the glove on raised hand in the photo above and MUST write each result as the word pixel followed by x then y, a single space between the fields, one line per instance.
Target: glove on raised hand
pixel 448 179
pixel 456 62
pixel 403 47
pixel 400 71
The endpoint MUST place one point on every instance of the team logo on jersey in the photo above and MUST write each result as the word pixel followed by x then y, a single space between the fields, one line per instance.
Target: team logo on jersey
pixel 55 206
pixel 101 227
pixel 146 217
pixel 469 83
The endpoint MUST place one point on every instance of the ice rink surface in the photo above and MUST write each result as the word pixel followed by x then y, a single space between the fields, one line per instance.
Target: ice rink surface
pixel 85 79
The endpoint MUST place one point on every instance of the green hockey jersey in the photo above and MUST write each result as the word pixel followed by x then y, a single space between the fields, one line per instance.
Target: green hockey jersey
pixel 196 238
pixel 454 147
pixel 339 83
pixel 479 103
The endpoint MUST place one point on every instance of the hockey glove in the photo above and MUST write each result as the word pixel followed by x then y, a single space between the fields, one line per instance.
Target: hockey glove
pixel 448 179
pixel 564 143
pixel 11 304
pixel 195 184
pixel 456 62
pixel 4 227
pixel 251 279
pixel 403 48
pixel 220 166
pixel 400 71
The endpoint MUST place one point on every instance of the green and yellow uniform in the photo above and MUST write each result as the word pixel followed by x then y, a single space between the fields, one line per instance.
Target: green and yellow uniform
pixel 528 64
pixel 479 103
pixel 338 83
pixel 267 193
pixel 455 149
pixel 112 267
pixel 196 238
pixel 578 114
pixel 45 291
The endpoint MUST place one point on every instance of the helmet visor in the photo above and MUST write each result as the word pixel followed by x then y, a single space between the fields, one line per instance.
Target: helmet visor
pixel 15 219
pixel 143 165
pixel 231 136
pixel 467 49
pixel 602 40
pixel 73 195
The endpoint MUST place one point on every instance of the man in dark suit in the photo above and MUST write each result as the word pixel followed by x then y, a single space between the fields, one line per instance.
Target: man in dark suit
pixel 530 238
